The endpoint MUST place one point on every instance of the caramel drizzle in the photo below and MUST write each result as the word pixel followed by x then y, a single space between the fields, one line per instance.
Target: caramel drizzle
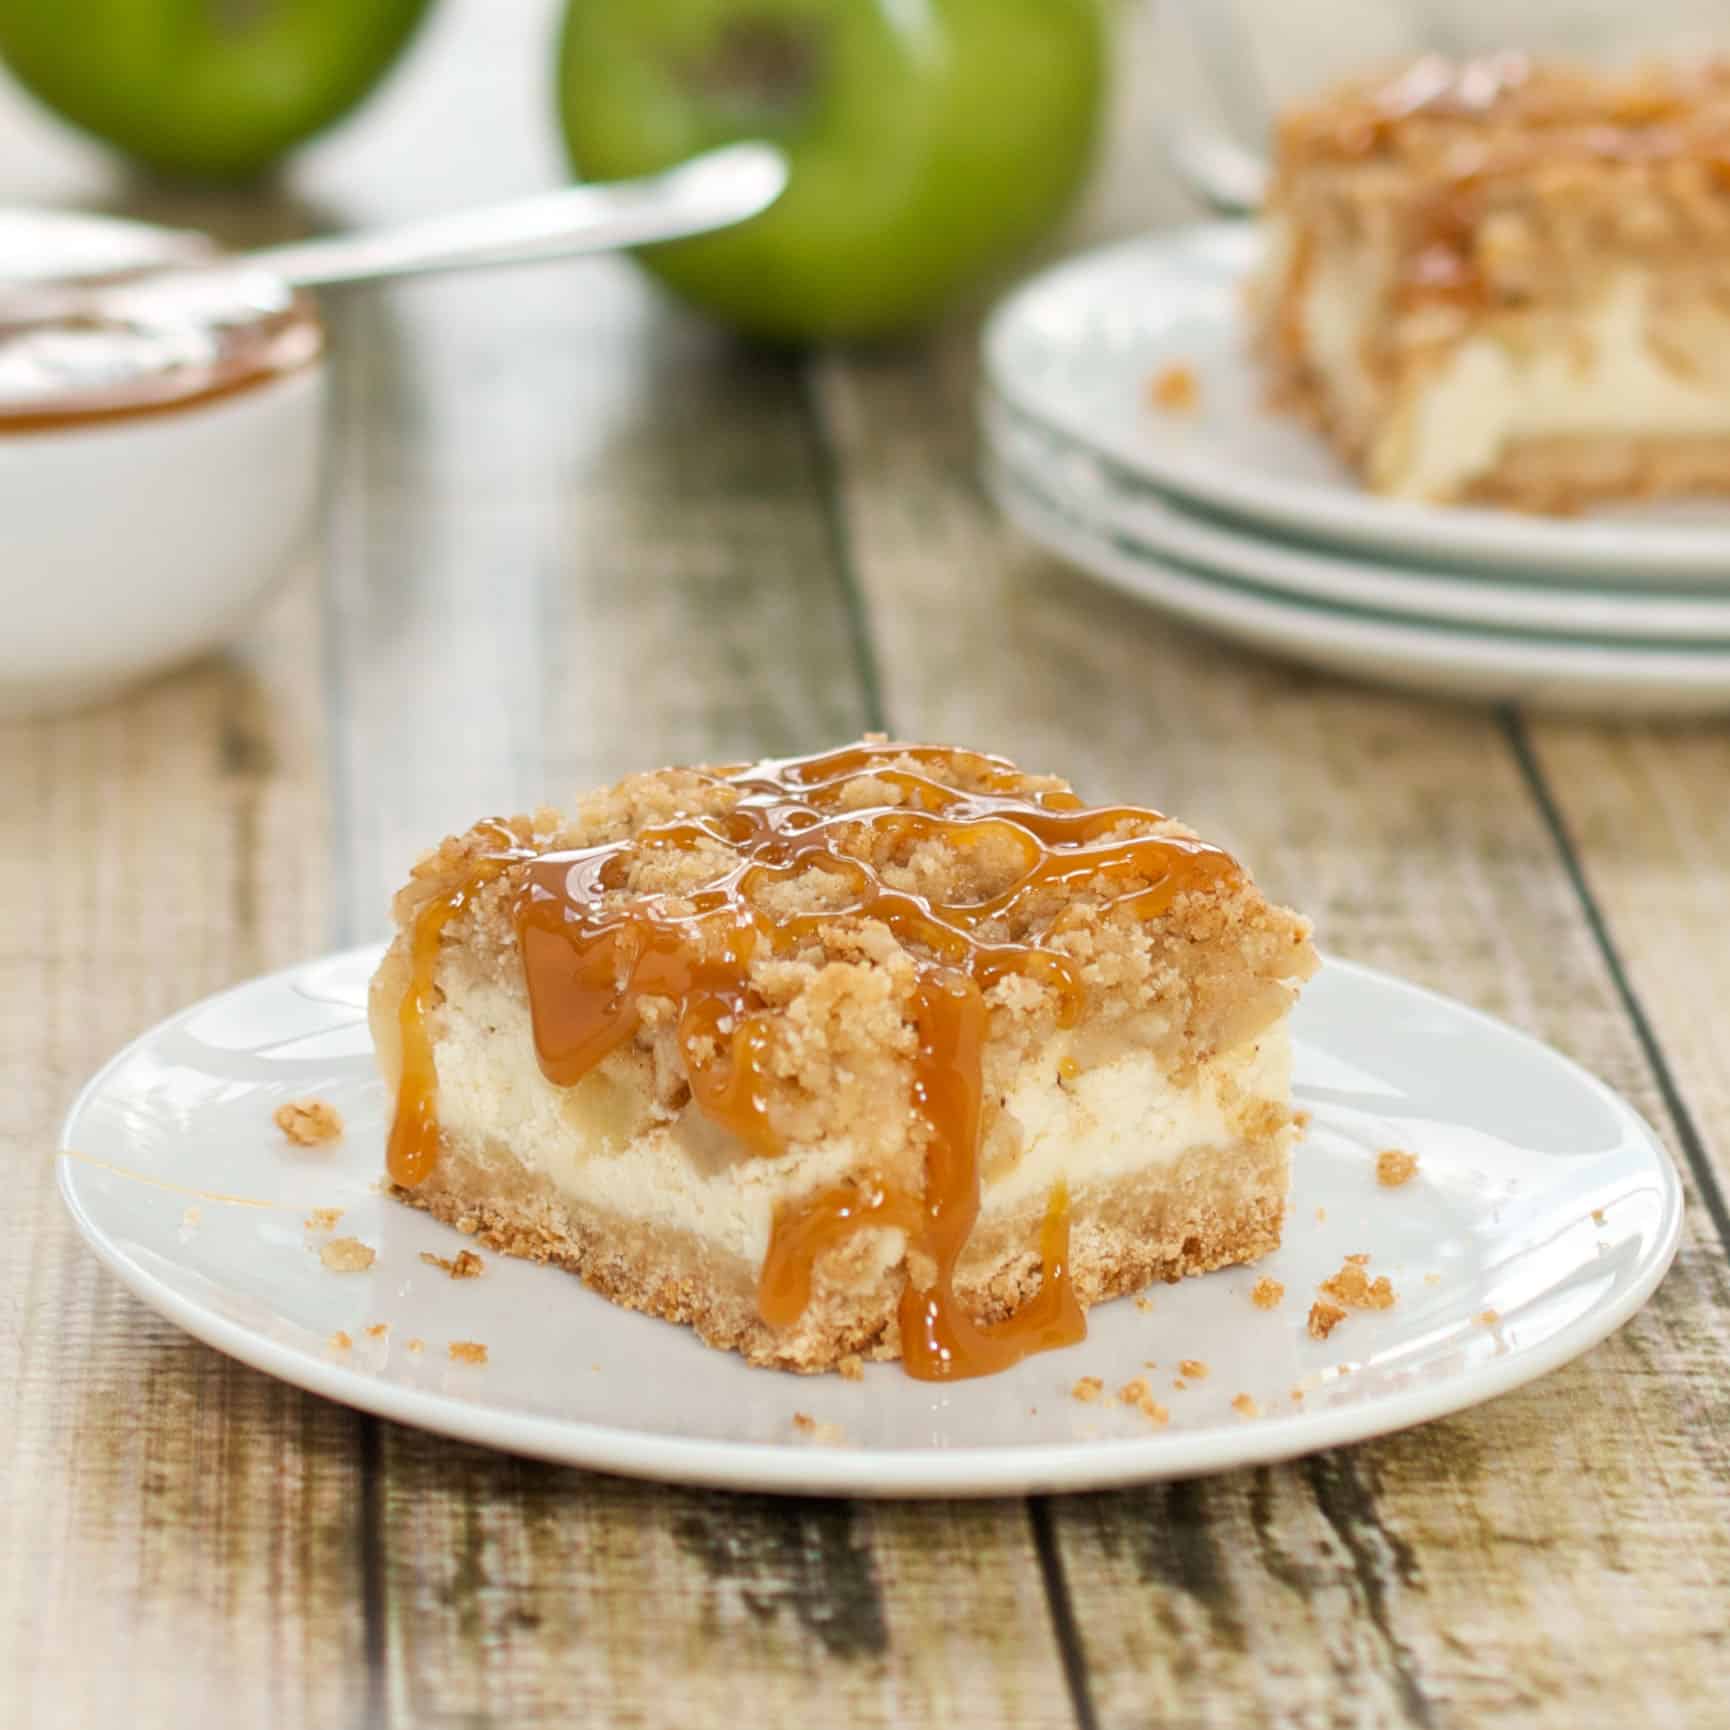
pixel 592 950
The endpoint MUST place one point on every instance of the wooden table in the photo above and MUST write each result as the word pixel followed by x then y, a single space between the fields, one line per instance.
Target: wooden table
pixel 574 531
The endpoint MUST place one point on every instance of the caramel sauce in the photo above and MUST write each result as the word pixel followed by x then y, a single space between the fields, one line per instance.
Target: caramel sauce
pixel 593 949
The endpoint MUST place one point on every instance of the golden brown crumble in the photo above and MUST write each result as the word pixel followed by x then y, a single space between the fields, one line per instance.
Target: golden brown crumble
pixel 1087 1390
pixel 1597 1216
pixel 1219 965
pixel 1321 1215
pixel 467 1352
pixel 347 1255
pixel 1297 1395
pixel 1245 1407
pixel 1355 1289
pixel 1144 1303
pixel 1395 1166
pixel 464 1265
pixel 340 1342
pixel 309 1122
pixel 1175 389
pixel 1487 1318
pixel 817 1430
pixel 1180 1384
pixel 378 1330
pixel 1361 1259
pixel 1138 1394
pixel 417 1346
pixel 1324 1318
pixel 1267 1294
pixel 852 1368
pixel 323 1218
pixel 1194 1369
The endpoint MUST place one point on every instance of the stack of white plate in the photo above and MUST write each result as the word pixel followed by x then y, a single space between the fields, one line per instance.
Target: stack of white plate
pixel 1241 521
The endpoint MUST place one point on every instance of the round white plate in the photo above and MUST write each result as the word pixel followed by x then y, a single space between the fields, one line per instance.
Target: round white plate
pixel 1157 521
pixel 1541 1196
pixel 1443 659
pixel 1078 345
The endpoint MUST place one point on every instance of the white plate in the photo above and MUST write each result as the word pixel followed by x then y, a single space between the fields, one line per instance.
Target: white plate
pixel 1156 521
pixel 1442 659
pixel 1077 346
pixel 1518 1148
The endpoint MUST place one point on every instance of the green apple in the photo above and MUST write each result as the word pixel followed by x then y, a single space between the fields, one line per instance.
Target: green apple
pixel 930 140
pixel 205 87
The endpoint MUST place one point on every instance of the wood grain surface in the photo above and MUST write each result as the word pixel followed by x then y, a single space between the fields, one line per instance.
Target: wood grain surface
pixel 572 530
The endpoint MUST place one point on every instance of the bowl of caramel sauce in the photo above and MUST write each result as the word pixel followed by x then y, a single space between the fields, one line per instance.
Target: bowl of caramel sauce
pixel 160 451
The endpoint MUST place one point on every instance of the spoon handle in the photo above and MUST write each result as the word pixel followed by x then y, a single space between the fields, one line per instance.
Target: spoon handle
pixel 715 190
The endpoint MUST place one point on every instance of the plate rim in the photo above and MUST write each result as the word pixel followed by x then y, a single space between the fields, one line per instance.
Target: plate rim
pixel 1624 671
pixel 1221 547
pixel 1455 534
pixel 786 1468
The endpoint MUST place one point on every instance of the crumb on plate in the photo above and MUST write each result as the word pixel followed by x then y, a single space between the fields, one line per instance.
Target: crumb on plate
pixel 323 1218
pixel 417 1345
pixel 852 1368
pixel 378 1330
pixel 807 1425
pixel 1487 1318
pixel 1355 1289
pixel 1194 1368
pixel 1087 1390
pixel 1138 1394
pixel 1321 1215
pixel 467 1352
pixel 1395 1166
pixel 1144 1303
pixel 1267 1293
pixel 1597 1216
pixel 309 1122
pixel 1432 1279
pixel 1175 389
pixel 464 1265
pixel 1324 1318
pixel 340 1342
pixel 1245 1407
pixel 347 1255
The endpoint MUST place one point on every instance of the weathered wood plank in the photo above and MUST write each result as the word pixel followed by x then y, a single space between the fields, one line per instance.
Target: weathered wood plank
pixel 1523 1564
pixel 179 1533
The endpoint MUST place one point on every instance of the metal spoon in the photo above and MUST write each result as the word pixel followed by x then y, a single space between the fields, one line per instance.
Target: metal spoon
pixel 71 338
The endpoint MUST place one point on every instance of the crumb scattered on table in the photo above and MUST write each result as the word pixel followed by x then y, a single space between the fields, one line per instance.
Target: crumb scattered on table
pixel 309 1122
pixel 1324 1318
pixel 1245 1406
pixel 464 1265
pixel 807 1425
pixel 1180 1384
pixel 467 1352
pixel 1138 1394
pixel 1194 1368
pixel 1144 1303
pixel 1395 1166
pixel 1267 1293
pixel 1175 389
pixel 339 1341
pixel 1487 1318
pixel 378 1330
pixel 323 1218
pixel 1597 1216
pixel 1355 1289
pixel 347 1255
pixel 852 1368
pixel 1087 1390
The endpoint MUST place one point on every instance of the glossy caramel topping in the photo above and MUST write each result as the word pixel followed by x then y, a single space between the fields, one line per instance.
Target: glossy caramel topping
pixel 101 321
pixel 593 949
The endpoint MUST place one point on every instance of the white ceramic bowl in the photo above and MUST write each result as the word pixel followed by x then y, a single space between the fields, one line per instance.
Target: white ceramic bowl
pixel 131 544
